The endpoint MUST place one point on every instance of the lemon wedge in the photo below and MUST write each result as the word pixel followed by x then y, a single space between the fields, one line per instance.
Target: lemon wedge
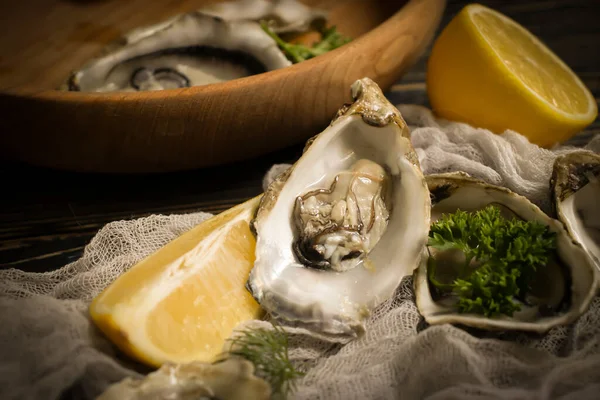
pixel 181 303
pixel 488 71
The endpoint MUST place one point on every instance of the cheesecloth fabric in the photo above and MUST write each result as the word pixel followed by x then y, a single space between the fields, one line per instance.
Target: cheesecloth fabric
pixel 49 348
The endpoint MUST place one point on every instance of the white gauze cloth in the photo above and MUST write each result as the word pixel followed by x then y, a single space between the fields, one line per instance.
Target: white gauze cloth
pixel 49 346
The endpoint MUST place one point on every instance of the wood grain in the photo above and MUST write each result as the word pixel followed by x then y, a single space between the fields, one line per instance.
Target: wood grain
pixel 192 127
pixel 46 216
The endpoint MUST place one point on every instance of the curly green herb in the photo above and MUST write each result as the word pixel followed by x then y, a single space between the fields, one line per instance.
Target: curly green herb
pixel 330 39
pixel 506 254
pixel 268 351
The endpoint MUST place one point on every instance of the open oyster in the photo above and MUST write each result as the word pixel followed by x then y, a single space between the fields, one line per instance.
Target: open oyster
pixel 221 42
pixel 575 185
pixel 230 379
pixel 284 16
pixel 558 294
pixel 338 230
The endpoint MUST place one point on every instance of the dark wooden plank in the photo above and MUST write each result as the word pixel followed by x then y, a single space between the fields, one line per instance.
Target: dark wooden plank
pixel 52 197
pixel 43 253
pixel 47 217
pixel 50 215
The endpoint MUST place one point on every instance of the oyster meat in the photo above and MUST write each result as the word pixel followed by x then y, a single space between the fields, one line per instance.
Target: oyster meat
pixel 338 226
pixel 338 231
pixel 575 187
pixel 220 42
pixel 558 293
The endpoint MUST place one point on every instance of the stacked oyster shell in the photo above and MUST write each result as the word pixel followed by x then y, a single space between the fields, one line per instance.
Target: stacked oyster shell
pixel 338 231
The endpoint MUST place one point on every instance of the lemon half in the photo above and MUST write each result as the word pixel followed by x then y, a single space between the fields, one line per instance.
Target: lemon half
pixel 488 71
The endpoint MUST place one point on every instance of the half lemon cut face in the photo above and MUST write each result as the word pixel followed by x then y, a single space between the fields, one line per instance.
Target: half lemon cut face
pixel 181 303
pixel 488 71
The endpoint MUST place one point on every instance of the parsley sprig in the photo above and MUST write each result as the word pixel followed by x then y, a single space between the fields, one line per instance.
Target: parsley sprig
pixel 268 350
pixel 506 254
pixel 330 39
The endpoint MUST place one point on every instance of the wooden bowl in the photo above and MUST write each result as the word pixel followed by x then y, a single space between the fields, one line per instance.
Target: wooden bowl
pixel 183 128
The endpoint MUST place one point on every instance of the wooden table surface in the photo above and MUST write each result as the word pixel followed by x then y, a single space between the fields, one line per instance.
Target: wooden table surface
pixel 47 217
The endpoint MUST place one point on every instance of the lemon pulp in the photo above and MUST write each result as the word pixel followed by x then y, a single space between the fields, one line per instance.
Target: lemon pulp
pixel 181 303
pixel 488 71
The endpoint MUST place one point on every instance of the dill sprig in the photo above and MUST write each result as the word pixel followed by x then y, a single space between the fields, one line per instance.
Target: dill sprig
pixel 506 252
pixel 330 39
pixel 268 351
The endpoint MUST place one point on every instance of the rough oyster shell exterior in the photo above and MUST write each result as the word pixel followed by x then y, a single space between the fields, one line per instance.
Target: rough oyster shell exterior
pixel 575 186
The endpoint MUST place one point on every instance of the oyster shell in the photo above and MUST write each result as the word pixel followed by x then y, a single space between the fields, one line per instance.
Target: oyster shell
pixel 230 379
pixel 560 293
pixel 575 187
pixel 284 16
pixel 218 43
pixel 338 230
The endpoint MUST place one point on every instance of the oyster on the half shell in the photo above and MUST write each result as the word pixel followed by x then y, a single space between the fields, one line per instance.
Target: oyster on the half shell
pixel 338 231
pixel 231 379
pixel 220 42
pixel 575 187
pixel 559 293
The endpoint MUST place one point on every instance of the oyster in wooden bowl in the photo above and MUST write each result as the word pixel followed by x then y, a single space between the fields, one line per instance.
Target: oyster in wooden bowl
pixel 217 43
